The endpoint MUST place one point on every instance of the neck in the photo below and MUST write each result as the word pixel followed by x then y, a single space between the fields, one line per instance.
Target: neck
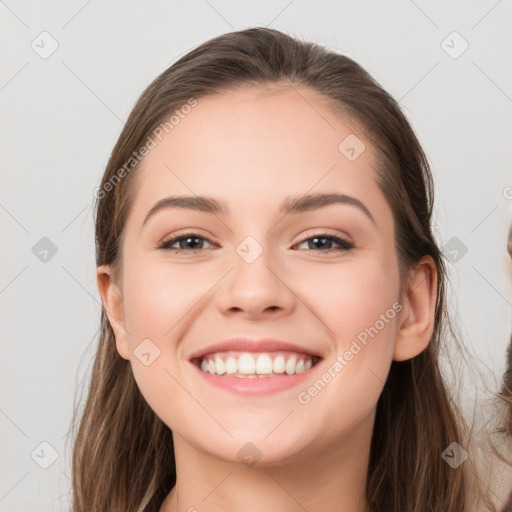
pixel 333 480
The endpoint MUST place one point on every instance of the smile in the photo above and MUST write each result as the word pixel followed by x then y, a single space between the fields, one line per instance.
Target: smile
pixel 256 365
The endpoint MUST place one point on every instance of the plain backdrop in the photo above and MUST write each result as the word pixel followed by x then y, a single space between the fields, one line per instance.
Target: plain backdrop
pixel 70 73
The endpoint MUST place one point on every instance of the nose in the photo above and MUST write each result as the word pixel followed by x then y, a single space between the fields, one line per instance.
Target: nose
pixel 257 289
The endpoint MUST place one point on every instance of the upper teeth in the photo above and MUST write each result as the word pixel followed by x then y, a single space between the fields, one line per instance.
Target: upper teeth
pixel 256 364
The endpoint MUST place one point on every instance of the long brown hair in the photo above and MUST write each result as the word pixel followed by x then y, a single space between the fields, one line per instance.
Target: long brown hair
pixel 506 388
pixel 500 437
pixel 505 395
pixel 123 456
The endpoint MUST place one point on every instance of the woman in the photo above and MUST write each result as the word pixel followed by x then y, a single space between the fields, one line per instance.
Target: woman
pixel 274 297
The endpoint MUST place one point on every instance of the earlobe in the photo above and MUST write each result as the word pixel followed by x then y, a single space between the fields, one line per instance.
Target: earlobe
pixel 416 321
pixel 112 299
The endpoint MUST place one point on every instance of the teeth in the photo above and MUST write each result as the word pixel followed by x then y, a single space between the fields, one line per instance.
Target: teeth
pixel 220 366
pixel 251 365
pixel 290 365
pixel 231 365
pixel 246 364
pixel 263 364
pixel 278 365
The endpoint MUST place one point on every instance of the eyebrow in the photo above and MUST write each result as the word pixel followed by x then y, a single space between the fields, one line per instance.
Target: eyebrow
pixel 299 204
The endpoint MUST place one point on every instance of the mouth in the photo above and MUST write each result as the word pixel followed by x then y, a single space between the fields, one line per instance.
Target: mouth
pixel 255 366
pixel 247 365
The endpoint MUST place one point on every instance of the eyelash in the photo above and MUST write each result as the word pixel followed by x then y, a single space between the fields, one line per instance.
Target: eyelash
pixel 345 245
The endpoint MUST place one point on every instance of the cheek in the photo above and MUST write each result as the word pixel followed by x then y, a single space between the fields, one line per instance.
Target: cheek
pixel 158 305
pixel 158 297
pixel 358 306
pixel 352 296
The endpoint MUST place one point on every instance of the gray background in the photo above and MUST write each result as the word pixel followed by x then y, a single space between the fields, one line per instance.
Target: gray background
pixel 61 115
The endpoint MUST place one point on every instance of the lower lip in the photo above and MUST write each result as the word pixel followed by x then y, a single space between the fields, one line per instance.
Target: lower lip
pixel 247 385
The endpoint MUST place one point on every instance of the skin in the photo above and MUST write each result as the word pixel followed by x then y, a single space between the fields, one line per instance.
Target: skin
pixel 252 148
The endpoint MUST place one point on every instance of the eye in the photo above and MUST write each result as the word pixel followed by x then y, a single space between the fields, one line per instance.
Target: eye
pixel 187 240
pixel 316 241
pixel 184 240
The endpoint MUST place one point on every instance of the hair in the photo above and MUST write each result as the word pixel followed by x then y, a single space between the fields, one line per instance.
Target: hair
pixel 501 446
pixel 506 391
pixel 506 388
pixel 416 417
pixel 506 396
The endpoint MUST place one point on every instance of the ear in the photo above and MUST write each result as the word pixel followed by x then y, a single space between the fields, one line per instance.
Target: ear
pixel 112 299
pixel 416 323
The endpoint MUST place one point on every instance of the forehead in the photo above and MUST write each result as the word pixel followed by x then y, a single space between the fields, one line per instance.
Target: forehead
pixel 257 145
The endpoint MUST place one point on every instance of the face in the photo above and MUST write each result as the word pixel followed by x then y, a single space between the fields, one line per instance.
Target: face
pixel 320 280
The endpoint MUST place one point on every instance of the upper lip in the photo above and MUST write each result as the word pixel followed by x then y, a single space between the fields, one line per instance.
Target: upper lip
pixel 252 345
